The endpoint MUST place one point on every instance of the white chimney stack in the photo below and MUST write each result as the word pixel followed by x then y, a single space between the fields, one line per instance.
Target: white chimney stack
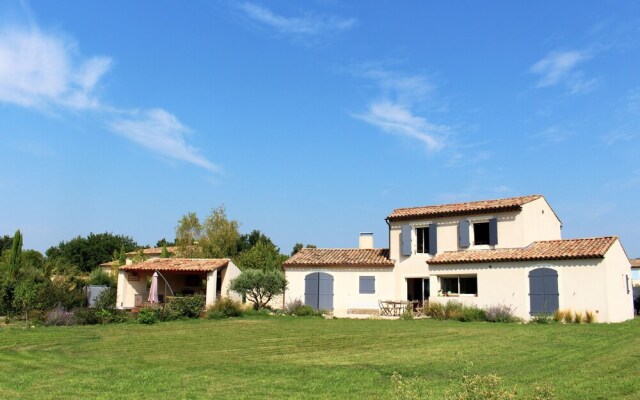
pixel 366 240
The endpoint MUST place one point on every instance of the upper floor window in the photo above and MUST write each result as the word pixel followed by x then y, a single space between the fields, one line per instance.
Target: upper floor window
pixel 422 237
pixel 481 233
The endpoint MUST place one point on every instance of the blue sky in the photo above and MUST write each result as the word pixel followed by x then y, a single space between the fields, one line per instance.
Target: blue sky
pixel 312 120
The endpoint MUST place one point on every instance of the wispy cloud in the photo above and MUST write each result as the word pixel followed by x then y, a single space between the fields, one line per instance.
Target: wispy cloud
pixel 161 132
pixel 309 24
pixel 554 134
pixel 560 67
pixel 394 109
pixel 45 71
pixel 398 119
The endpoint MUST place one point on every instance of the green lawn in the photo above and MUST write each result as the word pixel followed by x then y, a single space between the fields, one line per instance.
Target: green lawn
pixel 287 357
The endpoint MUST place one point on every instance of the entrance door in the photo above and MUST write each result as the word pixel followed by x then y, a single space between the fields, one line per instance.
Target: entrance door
pixel 418 289
pixel 318 291
pixel 543 291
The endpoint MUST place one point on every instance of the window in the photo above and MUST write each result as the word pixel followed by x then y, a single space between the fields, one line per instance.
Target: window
pixel 481 233
pixel 635 274
pixel 459 285
pixel 367 285
pixel 422 235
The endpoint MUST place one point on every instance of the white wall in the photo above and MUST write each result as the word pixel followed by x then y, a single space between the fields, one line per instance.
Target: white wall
pixel 346 287
pixel 584 285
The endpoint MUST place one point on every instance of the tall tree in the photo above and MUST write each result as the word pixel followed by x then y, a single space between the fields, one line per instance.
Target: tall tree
pixel 220 235
pixel 248 240
pixel 298 246
pixel 264 256
pixel 15 257
pixel 87 253
pixel 164 242
pixel 122 257
pixel 188 233
pixel 165 252
pixel 5 243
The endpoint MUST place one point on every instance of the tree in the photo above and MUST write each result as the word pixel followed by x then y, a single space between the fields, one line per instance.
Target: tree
pixel 28 296
pixel 164 242
pixel 217 237
pixel 165 252
pixel 87 253
pixel 248 240
pixel 298 246
pixel 5 243
pixel 259 286
pixel 122 257
pixel 264 256
pixel 15 256
pixel 188 233
pixel 220 235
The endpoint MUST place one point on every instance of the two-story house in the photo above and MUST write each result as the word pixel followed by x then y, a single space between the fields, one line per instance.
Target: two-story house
pixel 504 251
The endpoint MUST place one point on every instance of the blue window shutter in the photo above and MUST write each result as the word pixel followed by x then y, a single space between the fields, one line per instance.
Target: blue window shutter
pixel 367 285
pixel 628 291
pixel 406 240
pixel 463 233
pixel 433 239
pixel 493 231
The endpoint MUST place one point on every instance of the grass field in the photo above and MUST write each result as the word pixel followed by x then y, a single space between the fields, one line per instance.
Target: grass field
pixel 287 357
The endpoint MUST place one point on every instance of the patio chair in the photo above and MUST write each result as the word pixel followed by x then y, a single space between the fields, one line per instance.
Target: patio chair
pixel 384 309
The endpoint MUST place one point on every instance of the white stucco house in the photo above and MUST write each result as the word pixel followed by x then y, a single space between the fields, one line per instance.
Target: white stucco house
pixel 177 276
pixel 504 251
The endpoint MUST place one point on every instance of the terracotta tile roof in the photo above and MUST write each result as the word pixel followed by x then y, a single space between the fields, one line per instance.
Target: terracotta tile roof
pixel 474 207
pixel 635 262
pixel 154 251
pixel 178 264
pixel 340 258
pixel 565 249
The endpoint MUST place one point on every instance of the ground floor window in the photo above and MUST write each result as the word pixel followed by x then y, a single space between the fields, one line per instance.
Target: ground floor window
pixel 459 285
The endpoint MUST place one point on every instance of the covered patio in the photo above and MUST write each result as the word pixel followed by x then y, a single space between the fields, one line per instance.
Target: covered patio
pixel 176 277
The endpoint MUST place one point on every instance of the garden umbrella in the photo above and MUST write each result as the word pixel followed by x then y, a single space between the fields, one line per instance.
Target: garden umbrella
pixel 153 290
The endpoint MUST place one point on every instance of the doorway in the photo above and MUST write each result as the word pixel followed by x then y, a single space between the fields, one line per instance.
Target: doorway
pixel 418 289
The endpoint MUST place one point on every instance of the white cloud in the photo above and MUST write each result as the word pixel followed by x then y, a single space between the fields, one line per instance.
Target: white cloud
pixel 41 70
pixel 309 24
pixel 556 66
pixel 162 133
pixel 405 87
pixel 398 119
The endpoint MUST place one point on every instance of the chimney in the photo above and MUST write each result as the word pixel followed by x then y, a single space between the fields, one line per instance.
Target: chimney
pixel 366 240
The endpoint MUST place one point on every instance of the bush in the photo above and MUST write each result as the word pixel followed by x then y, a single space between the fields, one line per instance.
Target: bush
pixel 100 277
pixel 482 387
pixel 541 319
pixel 86 316
pixel 577 317
pixel 436 311
pixel 59 317
pixel 215 314
pixel 407 314
pixel 106 300
pixel 589 317
pixel 472 314
pixel 568 316
pixel 149 315
pixel 558 316
pixel 263 312
pixel 306 311
pixel 293 305
pixel 227 307
pixel 500 313
pixel 184 307
pixel 453 310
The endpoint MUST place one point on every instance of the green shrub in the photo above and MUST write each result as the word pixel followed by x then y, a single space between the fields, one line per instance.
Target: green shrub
pixel 482 387
pixel 293 305
pixel 263 312
pixel 436 311
pixel 184 307
pixel 453 310
pixel 106 300
pixel 472 314
pixel 100 277
pixel 149 315
pixel 541 319
pixel 306 311
pixel 407 314
pixel 227 306
pixel 215 314
pixel 86 316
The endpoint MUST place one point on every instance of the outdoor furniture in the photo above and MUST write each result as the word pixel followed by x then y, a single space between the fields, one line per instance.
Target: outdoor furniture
pixel 384 308
pixel 395 308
